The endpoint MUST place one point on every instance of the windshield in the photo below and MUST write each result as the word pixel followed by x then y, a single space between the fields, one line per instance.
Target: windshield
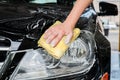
pixel 28 1
pixel 43 1
pixel 60 2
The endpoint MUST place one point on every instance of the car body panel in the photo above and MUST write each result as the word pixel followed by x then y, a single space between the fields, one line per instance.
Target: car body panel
pixel 23 24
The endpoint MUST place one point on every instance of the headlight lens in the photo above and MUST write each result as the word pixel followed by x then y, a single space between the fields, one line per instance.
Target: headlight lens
pixel 79 58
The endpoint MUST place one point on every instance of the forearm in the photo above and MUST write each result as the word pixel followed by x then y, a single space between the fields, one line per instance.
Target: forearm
pixel 76 12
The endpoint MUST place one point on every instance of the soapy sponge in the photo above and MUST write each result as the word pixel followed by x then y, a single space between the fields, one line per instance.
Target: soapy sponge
pixel 58 51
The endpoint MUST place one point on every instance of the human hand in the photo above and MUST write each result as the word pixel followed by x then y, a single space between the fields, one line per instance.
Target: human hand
pixel 54 34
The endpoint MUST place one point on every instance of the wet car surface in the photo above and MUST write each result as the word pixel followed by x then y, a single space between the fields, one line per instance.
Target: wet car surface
pixel 23 24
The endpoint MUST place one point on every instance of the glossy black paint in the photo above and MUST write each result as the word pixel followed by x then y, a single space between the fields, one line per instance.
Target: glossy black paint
pixel 17 23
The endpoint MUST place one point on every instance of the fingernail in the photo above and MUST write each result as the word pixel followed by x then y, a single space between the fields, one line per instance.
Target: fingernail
pixel 52 44
pixel 46 31
pixel 68 38
pixel 67 41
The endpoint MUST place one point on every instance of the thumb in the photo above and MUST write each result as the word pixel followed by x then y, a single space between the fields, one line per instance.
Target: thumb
pixel 68 38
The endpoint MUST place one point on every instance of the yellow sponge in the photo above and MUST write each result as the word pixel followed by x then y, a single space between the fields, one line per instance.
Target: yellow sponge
pixel 58 51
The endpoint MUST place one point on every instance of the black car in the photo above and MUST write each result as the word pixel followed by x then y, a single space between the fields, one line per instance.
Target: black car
pixel 22 22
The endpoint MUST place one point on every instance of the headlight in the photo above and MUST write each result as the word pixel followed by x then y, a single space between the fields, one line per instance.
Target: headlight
pixel 5 45
pixel 79 58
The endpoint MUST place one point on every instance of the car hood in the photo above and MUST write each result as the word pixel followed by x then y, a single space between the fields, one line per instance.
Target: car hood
pixel 20 19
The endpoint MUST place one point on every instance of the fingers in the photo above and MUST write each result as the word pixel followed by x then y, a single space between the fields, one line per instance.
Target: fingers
pixel 56 40
pixel 50 38
pixel 47 33
pixel 68 38
pixel 53 37
pixel 54 34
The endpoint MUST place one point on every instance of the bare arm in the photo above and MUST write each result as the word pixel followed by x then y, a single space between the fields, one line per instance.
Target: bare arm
pixel 77 10
pixel 54 34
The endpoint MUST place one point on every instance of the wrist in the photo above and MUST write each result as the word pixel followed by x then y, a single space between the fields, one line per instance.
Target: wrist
pixel 69 24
